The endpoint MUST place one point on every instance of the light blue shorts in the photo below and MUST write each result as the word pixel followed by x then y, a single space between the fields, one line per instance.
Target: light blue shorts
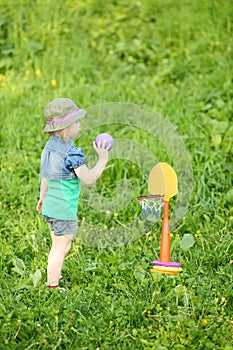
pixel 61 227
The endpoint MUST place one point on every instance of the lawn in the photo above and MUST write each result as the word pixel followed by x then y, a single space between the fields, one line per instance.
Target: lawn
pixel 157 75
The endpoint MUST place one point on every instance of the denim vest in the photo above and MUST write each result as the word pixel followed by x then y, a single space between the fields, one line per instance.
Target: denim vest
pixel 59 159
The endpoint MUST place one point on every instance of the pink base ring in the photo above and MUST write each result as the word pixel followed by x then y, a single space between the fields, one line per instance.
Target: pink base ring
pixel 166 264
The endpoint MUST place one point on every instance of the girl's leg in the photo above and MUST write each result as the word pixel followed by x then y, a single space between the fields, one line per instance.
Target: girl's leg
pixel 60 248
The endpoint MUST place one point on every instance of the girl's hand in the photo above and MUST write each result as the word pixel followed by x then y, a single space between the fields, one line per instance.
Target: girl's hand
pixel 90 176
pixel 39 206
pixel 101 150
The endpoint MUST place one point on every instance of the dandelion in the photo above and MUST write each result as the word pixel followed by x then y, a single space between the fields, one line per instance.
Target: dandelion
pixel 150 238
pixel 115 215
pixel 204 322
pixel 10 168
pixel 53 82
pixel 231 261
pixel 224 300
pixel 38 73
pixel 171 235
pixel 156 293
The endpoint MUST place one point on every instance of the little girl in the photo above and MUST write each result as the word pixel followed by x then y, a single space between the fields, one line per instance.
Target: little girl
pixel 62 168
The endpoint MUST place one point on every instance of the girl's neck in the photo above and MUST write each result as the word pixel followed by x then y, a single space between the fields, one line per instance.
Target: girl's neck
pixel 59 133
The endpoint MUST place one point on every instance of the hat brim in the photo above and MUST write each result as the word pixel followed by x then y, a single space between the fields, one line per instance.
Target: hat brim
pixel 62 125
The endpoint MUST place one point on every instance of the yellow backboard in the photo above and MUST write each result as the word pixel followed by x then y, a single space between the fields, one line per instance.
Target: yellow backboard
pixel 163 181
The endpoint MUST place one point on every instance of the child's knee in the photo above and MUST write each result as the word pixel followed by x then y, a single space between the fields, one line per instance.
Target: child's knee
pixel 67 249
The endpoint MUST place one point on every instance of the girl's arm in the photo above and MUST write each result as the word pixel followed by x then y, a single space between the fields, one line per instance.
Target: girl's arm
pixel 43 190
pixel 90 176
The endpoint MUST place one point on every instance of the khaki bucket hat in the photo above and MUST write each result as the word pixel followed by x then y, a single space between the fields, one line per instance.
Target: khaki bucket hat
pixel 61 113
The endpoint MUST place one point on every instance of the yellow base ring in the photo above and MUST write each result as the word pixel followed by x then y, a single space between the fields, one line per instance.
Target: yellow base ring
pixel 171 273
pixel 167 268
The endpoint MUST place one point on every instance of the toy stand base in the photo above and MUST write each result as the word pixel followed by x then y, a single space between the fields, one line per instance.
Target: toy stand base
pixel 168 268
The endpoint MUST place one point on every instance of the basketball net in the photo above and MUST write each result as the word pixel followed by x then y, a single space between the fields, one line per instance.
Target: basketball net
pixel 151 204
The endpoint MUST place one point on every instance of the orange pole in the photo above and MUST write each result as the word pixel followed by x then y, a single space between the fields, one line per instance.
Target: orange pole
pixel 165 239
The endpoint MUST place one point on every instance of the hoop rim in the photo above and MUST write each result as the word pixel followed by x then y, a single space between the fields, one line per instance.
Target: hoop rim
pixel 150 197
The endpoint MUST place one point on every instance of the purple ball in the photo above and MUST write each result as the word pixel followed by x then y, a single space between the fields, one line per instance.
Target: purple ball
pixel 107 138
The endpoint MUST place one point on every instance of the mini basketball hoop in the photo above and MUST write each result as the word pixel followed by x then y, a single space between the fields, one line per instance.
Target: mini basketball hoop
pixel 162 185
pixel 151 204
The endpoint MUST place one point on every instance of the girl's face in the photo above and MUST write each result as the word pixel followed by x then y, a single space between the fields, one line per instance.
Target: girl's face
pixel 73 129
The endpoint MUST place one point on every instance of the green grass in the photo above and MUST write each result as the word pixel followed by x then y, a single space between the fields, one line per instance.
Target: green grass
pixel 174 58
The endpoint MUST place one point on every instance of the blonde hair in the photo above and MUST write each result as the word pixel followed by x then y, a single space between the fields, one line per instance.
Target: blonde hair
pixel 60 133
